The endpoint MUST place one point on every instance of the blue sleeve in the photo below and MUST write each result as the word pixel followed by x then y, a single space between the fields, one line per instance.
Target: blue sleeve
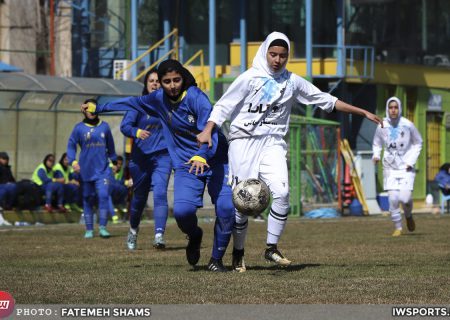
pixel 110 145
pixel 128 126
pixel 442 178
pixel 72 146
pixel 142 104
pixel 58 174
pixel 203 111
pixel 43 176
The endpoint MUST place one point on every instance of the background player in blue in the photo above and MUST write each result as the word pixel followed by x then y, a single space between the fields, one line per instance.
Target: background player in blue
pixel 97 145
pixel 150 166
pixel 183 110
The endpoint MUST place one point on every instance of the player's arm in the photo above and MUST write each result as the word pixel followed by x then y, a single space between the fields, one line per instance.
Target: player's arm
pixel 142 104
pixel 72 150
pixel 129 127
pixel 348 108
pixel 413 153
pixel 43 176
pixel 110 146
pixel 377 145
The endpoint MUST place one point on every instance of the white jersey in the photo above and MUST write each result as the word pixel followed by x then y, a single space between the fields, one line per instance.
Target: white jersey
pixel 260 100
pixel 402 144
pixel 260 106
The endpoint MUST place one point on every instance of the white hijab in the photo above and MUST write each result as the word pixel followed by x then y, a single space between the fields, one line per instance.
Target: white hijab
pixel 395 121
pixel 260 64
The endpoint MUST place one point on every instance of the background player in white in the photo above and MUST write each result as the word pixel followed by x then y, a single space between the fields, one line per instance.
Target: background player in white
pixel 402 144
pixel 259 103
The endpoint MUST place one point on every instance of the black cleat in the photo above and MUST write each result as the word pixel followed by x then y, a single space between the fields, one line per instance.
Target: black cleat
pixel 216 265
pixel 272 254
pixel 238 263
pixel 193 248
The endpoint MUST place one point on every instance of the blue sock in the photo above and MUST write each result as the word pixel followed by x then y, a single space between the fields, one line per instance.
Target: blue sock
pixel 160 216
pixel 103 218
pixel 88 217
pixel 223 226
pixel 137 206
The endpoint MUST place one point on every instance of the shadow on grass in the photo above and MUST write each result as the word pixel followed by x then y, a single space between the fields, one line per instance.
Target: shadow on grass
pixel 172 249
pixel 291 268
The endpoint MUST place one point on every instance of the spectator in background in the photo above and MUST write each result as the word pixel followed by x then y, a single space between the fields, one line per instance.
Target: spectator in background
pixel 443 178
pixel 119 190
pixel 97 147
pixel 71 185
pixel 43 177
pixel 8 187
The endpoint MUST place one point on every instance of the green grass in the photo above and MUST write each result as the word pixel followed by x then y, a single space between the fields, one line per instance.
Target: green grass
pixel 348 260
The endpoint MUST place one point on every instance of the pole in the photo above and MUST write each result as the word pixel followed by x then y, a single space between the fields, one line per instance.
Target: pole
pixel 52 37
pixel 308 36
pixel 134 37
pixel 212 39
pixel 243 35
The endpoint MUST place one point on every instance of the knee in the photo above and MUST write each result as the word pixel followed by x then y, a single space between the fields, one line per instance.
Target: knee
pixel 280 192
pixel 225 208
pixel 183 209
pixel 160 197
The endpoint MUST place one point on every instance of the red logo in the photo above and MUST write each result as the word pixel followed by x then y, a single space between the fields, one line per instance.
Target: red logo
pixel 6 304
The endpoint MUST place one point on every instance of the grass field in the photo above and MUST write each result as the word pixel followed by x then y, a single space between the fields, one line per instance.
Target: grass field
pixel 347 260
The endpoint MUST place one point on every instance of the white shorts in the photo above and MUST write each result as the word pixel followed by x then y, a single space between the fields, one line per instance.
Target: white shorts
pixel 262 157
pixel 399 180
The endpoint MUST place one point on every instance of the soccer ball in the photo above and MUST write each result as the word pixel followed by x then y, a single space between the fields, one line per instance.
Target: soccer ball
pixel 251 196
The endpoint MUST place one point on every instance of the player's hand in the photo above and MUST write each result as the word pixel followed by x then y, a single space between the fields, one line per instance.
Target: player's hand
pixel 114 169
pixel 197 166
pixel 129 183
pixel 374 118
pixel 375 160
pixel 144 134
pixel 204 137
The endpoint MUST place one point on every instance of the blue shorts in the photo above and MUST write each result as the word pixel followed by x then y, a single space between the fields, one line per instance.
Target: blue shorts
pixel 190 188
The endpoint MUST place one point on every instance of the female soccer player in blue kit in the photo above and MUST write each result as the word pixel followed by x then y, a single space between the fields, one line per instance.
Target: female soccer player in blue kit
pixel 150 166
pixel 183 110
pixel 97 145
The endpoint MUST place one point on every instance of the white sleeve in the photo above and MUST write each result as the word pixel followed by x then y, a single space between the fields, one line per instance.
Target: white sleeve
pixel 377 144
pixel 234 96
pixel 413 153
pixel 307 93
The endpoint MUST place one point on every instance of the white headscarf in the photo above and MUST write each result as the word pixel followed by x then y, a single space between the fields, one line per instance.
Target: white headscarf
pixel 388 118
pixel 260 59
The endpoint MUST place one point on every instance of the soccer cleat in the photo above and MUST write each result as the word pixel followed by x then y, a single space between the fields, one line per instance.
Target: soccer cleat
pixel 104 233
pixel 238 262
pixel 193 248
pixel 410 224
pixel 132 240
pixel 216 265
pixel 89 234
pixel 272 254
pixel 48 208
pixel 397 233
pixel 159 242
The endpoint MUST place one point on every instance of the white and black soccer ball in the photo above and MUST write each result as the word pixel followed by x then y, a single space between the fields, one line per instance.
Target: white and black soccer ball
pixel 251 196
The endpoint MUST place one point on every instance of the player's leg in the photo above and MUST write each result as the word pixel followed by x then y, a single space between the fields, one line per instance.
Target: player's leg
pixel 102 188
pixel 160 175
pixel 244 159
pixel 141 188
pixel 221 196
pixel 405 198
pixel 274 172
pixel 394 209
pixel 188 196
pixel 88 203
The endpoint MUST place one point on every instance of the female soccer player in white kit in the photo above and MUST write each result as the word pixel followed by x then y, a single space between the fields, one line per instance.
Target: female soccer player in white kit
pixel 402 144
pixel 259 105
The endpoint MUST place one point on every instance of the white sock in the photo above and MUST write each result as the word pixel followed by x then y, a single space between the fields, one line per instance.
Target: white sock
pixel 276 222
pixel 134 231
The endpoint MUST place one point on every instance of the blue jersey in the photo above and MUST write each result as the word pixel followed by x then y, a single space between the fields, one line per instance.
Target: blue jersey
pixel 97 145
pixel 181 122
pixel 134 120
